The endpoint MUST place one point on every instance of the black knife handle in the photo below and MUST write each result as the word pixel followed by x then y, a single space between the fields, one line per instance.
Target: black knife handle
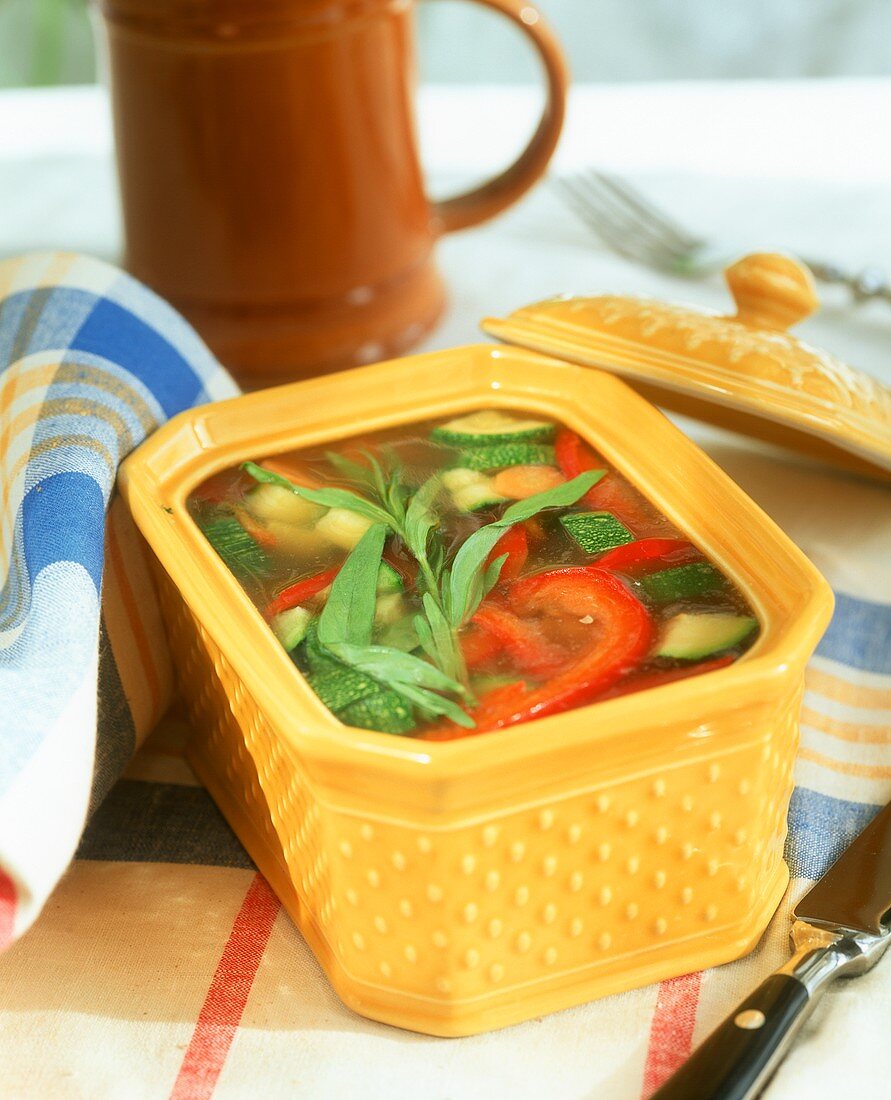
pixel 735 1060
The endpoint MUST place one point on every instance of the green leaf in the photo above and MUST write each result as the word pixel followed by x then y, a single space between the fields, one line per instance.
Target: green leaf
pixel 434 705
pixel 467 587
pixel 352 471
pixel 328 498
pixel 394 498
pixel 392 667
pixel 560 497
pixel 378 480
pixel 492 573
pixel 420 518
pixel 348 616
pixel 425 637
pixel 445 644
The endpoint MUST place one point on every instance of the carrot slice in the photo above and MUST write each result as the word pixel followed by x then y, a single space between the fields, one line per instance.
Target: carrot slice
pixel 520 482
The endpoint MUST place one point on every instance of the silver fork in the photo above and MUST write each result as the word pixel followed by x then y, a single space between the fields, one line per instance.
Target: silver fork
pixel 631 226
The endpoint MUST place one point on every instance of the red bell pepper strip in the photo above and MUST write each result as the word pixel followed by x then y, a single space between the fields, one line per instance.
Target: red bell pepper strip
pixel 623 636
pixel 300 592
pixel 515 544
pixel 610 494
pixel 646 555
pixel 572 455
pixel 478 646
pixel 665 676
pixel 522 641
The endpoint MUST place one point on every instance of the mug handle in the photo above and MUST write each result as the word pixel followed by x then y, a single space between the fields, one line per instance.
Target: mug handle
pixel 491 197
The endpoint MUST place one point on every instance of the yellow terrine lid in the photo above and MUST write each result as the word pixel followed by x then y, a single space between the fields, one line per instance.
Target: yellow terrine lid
pixel 742 370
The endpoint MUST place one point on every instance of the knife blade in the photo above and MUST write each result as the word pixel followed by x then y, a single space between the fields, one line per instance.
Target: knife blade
pixel 841 928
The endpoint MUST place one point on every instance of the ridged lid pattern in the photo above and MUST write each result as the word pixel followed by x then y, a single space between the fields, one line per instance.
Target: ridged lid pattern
pixel 745 361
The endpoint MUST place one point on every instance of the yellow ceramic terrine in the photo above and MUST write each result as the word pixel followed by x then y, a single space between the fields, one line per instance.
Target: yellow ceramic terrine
pixel 456 887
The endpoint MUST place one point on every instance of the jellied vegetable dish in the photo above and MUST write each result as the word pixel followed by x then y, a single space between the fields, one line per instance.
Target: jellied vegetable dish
pixel 463 575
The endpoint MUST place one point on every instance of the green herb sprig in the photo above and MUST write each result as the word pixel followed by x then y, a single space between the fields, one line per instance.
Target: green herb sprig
pixel 452 592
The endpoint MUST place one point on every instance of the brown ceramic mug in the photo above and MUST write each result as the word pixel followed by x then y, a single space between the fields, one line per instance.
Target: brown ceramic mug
pixel 269 173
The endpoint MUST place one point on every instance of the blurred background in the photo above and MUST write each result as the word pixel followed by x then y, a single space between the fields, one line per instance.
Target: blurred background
pixel 49 42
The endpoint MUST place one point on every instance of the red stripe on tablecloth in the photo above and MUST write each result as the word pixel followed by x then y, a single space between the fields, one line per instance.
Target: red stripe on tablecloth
pixel 229 990
pixel 671 1032
pixel 7 908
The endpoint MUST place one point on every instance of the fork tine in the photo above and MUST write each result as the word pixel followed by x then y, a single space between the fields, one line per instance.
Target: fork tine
pixel 601 221
pixel 655 217
pixel 666 247
pixel 611 218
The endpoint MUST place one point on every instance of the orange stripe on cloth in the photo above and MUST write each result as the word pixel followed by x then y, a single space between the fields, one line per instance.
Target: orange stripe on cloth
pixel 671 1031
pixel 862 771
pixel 843 691
pixel 858 732
pixel 7 908
pixel 229 990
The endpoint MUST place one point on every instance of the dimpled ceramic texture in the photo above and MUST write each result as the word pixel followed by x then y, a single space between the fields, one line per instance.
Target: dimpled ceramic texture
pixel 743 371
pixel 457 887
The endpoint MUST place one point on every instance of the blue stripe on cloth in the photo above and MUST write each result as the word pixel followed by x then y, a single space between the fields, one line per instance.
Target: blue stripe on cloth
pixel 63 519
pixel 116 334
pixel 820 828
pixel 40 318
pixel 138 299
pixel 859 634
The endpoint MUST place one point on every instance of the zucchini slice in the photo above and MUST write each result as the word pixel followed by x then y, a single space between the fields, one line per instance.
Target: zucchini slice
pixel 492 426
pixel 684 582
pixel 290 626
pixel 690 637
pixel 470 490
pixel 240 551
pixel 352 696
pixel 382 710
pixel 497 456
pixel 596 532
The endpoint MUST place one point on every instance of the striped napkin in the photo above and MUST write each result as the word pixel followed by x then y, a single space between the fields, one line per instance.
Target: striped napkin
pixel 90 363
pixel 163 965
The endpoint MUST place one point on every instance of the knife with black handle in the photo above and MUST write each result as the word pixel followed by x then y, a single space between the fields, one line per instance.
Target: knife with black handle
pixel 841 929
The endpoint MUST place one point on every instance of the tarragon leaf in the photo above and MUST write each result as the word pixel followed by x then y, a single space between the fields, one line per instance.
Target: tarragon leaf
pixel 420 518
pixel 434 705
pixel 348 615
pixel 392 667
pixel 448 655
pixel 466 585
pixel 492 573
pixel 352 471
pixel 561 496
pixel 394 498
pixel 378 480
pixel 328 498
pixel 425 637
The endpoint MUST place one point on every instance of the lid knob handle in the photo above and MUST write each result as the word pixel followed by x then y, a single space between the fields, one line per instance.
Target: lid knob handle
pixel 771 291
